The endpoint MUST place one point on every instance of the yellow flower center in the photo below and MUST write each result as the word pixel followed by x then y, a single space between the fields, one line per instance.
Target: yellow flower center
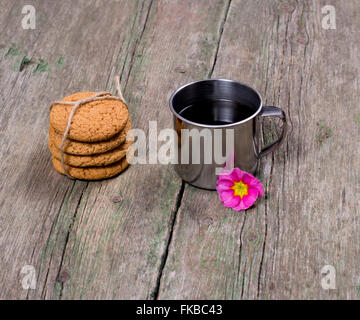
pixel 240 189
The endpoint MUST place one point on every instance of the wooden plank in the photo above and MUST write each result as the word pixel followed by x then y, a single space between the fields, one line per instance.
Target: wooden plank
pixel 308 218
pixel 103 239
pixel 69 52
pixel 123 259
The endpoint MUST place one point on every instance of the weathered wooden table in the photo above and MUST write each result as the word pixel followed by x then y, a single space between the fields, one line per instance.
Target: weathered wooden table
pixel 145 234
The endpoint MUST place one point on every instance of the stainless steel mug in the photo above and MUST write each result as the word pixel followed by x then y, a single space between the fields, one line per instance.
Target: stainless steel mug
pixel 245 152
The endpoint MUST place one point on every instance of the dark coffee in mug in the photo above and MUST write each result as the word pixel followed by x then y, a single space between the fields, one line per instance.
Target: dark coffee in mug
pixel 216 112
pixel 206 113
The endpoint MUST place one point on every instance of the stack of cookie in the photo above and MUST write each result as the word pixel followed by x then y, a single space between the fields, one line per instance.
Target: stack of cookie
pixel 95 146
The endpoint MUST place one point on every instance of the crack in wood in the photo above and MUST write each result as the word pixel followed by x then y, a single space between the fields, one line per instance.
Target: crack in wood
pixel 221 30
pixel 262 252
pixel 138 40
pixel 38 241
pixel 266 189
pixel 50 234
pixel 240 253
pixel 59 279
pixel 297 219
pixel 129 42
pixel 155 293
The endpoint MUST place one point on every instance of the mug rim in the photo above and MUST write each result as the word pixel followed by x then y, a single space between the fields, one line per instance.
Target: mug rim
pixel 209 125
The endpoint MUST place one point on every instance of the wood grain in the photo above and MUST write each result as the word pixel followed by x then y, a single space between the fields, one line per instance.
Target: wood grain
pixel 309 216
pixel 145 234
pixel 105 239
pixel 38 205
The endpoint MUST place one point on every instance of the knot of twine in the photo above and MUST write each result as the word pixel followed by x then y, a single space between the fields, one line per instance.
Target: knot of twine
pixel 75 105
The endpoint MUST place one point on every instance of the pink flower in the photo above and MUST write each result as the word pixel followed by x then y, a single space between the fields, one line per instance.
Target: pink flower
pixel 238 189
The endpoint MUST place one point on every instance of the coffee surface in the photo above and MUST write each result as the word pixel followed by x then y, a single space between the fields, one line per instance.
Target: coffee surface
pixel 216 112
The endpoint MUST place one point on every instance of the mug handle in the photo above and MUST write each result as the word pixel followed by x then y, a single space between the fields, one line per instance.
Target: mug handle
pixel 269 111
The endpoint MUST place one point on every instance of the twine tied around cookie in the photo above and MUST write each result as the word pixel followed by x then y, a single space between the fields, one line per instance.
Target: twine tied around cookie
pixel 75 105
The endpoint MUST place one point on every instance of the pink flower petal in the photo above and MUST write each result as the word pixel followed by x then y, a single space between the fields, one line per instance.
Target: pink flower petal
pixel 260 189
pixel 233 202
pixel 253 192
pixel 253 182
pixel 240 206
pixel 237 174
pixel 226 195
pixel 251 197
pixel 223 187
pixel 224 182
pixel 247 178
